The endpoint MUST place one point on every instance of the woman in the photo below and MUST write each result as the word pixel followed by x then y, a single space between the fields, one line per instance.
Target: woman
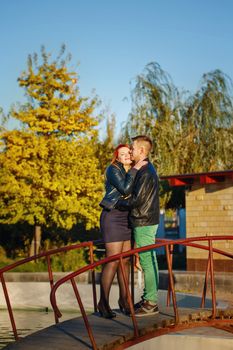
pixel 114 226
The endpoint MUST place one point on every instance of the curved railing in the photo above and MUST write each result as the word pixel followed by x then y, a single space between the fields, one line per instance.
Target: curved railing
pixel 47 255
pixel 169 247
pixel 168 244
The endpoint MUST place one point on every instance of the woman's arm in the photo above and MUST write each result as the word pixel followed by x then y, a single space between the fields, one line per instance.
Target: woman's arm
pixel 123 182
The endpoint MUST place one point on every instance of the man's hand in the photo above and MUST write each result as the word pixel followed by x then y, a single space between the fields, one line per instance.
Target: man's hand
pixel 140 164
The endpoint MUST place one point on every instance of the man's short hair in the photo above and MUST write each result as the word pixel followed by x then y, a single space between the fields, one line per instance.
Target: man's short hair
pixel 145 140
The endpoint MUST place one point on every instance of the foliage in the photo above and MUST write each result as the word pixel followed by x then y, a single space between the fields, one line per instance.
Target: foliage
pixel 165 193
pixel 209 121
pixel 62 262
pixel 69 261
pixel 38 266
pixel 191 133
pixel 49 170
pixel 15 239
pixel 4 260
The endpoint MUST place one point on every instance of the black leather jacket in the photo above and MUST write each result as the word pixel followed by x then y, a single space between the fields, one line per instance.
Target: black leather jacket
pixel 119 183
pixel 144 201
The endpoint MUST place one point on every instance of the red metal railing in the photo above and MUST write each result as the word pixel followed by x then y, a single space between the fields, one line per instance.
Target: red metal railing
pixel 168 244
pixel 46 255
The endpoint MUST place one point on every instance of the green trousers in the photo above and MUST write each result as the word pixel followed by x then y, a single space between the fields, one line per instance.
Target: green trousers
pixel 143 236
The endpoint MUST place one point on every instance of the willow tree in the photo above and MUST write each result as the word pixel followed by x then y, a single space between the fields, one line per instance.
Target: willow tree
pixel 50 172
pixel 157 109
pixel 209 121
pixel 191 132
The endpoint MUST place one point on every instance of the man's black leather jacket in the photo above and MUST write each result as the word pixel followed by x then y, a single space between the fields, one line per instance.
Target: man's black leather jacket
pixel 144 201
pixel 119 183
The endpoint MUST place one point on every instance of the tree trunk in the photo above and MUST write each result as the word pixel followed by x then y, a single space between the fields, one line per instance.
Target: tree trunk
pixel 36 241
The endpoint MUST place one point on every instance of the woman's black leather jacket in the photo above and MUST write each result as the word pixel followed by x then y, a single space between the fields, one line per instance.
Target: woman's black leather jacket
pixel 118 184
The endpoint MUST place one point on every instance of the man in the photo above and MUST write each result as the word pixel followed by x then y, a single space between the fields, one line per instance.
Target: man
pixel 144 218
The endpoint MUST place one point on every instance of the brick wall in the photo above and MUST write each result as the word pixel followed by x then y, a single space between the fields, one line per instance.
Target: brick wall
pixel 209 211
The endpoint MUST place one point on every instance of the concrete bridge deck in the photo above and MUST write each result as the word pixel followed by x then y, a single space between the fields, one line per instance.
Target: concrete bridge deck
pixel 110 334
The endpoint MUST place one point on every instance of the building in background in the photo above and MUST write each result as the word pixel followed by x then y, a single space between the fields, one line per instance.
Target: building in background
pixel 209 212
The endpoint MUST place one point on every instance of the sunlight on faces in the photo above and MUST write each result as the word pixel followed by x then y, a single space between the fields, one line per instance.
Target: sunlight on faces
pixel 124 156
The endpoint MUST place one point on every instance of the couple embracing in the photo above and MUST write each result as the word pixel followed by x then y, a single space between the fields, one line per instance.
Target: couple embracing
pixel 130 211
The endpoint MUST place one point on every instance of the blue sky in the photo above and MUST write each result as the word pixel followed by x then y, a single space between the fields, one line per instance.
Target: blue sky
pixel 111 41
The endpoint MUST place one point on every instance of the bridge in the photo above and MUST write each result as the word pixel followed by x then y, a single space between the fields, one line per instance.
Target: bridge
pixel 92 331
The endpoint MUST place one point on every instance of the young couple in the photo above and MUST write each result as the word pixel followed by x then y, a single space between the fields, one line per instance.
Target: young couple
pixel 131 203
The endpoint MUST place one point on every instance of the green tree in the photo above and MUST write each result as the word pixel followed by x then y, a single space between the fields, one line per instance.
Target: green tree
pixel 157 109
pixel 191 132
pixel 49 170
pixel 208 121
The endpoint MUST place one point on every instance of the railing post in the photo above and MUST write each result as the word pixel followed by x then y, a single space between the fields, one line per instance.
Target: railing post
pixel 9 307
pixel 132 276
pixel 212 278
pixel 131 306
pixel 171 282
pixel 205 282
pixel 93 277
pixel 92 339
pixel 171 248
pixel 51 281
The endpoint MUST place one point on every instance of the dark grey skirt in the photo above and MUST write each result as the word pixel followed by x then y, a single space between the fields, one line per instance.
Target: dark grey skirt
pixel 114 225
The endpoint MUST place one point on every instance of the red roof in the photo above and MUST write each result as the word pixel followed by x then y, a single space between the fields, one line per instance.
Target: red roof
pixel 203 178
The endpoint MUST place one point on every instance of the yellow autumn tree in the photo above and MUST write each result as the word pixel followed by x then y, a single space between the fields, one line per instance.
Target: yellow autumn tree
pixel 49 170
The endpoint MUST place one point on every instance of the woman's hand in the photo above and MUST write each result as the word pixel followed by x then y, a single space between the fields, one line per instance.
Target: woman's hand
pixel 140 164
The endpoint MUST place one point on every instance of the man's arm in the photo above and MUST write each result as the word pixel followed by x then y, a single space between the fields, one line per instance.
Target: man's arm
pixel 140 193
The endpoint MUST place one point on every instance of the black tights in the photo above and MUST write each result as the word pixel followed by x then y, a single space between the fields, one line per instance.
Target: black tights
pixel 110 269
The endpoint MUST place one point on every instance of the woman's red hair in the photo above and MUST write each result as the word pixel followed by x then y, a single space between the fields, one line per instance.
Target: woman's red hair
pixel 116 151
